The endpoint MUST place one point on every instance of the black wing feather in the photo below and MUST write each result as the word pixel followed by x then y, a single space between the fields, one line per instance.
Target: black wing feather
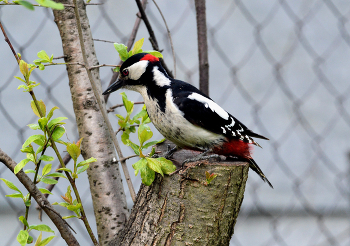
pixel 198 114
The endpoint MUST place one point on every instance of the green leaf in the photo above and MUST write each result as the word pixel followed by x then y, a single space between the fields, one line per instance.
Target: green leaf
pixel 58 133
pixel 55 121
pixel 20 80
pixel 167 166
pixel 49 115
pixel 153 151
pixel 42 123
pixel 134 147
pixel 42 108
pixel 32 139
pixel 142 163
pixel 49 181
pixel 34 126
pixel 26 4
pixel 41 227
pixel 62 204
pixel 144 133
pixel 125 137
pixel 74 207
pixel 155 53
pixel 152 143
pixel 45 191
pixel 46 169
pixel 29 171
pixel 50 4
pixel 90 160
pixel 15 195
pixel 38 240
pixel 28 149
pixel 68 217
pixel 147 175
pixel 46 241
pixel 24 87
pixel 46 158
pixel 73 151
pixel 57 175
pixel 43 55
pixel 116 69
pixel 22 237
pixel 122 50
pixel 137 46
pixel 27 203
pixel 64 169
pixel 155 165
pixel 129 105
pixel 23 220
pixel 210 177
pixel 20 165
pixel 83 169
pixel 23 67
pixel 41 67
pixel 141 114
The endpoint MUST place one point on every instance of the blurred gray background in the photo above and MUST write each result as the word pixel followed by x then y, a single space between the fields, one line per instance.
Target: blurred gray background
pixel 281 67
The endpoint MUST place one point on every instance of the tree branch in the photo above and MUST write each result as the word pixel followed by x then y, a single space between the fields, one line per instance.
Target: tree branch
pixel 41 200
pixel 152 37
pixel 129 44
pixel 202 46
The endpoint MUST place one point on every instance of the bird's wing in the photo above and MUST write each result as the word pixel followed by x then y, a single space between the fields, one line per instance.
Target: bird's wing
pixel 201 111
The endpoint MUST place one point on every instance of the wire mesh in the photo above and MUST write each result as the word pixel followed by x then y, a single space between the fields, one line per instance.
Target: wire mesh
pixel 281 67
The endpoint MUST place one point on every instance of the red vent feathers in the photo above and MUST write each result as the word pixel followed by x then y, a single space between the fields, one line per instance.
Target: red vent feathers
pixel 150 58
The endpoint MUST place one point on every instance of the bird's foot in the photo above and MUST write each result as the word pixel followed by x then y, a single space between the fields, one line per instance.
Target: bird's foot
pixel 169 153
pixel 201 157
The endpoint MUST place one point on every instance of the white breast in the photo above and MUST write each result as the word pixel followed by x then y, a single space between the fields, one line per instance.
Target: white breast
pixel 174 127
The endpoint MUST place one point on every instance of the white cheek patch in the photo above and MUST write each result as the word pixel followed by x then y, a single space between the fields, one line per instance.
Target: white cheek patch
pixel 209 103
pixel 160 78
pixel 136 70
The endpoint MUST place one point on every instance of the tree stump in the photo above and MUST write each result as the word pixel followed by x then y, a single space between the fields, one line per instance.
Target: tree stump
pixel 182 209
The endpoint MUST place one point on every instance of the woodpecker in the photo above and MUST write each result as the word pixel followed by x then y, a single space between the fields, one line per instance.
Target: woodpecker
pixel 185 115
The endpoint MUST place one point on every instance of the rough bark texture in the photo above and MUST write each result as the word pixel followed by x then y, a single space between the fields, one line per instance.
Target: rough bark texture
pixel 106 187
pixel 182 210
pixel 202 46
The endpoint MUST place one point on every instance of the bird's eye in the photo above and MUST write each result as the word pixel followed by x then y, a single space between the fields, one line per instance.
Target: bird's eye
pixel 125 72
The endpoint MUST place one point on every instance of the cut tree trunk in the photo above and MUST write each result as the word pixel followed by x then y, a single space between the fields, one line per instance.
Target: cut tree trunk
pixel 181 209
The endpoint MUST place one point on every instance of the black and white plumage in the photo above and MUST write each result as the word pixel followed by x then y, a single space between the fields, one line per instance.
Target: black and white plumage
pixel 183 114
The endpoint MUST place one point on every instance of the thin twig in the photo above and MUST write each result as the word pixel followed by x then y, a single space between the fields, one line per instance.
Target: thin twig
pixel 153 38
pixel 169 35
pixel 202 46
pixel 9 43
pixel 59 57
pixel 53 145
pixel 103 65
pixel 60 223
pixel 129 45
pixel 111 109
pixel 38 5
pixel 103 111
pixel 102 40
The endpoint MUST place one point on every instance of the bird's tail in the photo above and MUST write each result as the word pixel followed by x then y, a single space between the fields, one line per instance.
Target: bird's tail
pixel 256 168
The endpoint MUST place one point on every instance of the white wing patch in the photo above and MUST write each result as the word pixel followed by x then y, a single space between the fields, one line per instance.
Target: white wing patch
pixel 160 78
pixel 210 104
pixel 137 69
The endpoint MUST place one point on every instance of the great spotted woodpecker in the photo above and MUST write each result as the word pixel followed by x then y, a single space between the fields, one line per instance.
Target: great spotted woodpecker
pixel 183 114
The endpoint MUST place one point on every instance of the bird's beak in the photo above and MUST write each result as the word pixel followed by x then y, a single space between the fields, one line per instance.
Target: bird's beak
pixel 113 87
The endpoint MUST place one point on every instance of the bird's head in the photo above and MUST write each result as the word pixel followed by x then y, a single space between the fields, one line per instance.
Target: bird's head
pixel 140 71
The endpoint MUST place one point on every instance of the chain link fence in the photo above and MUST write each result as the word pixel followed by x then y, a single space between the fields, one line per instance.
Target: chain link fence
pixel 281 67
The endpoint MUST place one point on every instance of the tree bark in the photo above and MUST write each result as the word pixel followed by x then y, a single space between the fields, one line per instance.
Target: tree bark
pixel 106 187
pixel 181 209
